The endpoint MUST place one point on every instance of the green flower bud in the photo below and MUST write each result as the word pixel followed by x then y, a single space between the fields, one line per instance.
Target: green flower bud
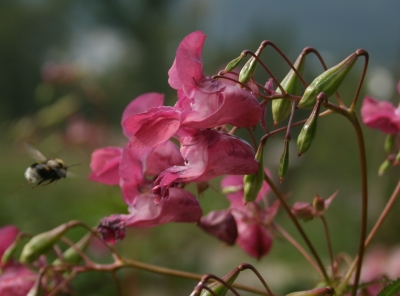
pixel 328 82
pixel 383 167
pixel 389 143
pixel 253 183
pixel 397 159
pixel 41 243
pixel 247 71
pixel 326 291
pixel 234 63
pixel 219 288
pixel 70 255
pixel 10 250
pixel 284 162
pixel 307 133
pixel 281 108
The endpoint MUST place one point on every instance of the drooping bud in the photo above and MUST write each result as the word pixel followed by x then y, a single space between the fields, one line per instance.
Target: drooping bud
pixel 220 224
pixel 328 82
pixel 284 162
pixel 41 243
pixel 389 142
pixel 247 71
pixel 326 291
pixel 303 210
pixel 307 133
pixel 234 63
pixel 253 183
pixel 220 289
pixel 383 167
pixel 71 255
pixel 281 108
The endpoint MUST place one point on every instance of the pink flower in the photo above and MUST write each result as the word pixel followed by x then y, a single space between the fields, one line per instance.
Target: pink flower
pixel 252 220
pixel 134 170
pixel 15 279
pixel 207 154
pixel 381 115
pixel 203 102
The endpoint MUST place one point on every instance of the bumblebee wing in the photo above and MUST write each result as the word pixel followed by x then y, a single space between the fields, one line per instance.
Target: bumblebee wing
pixel 34 153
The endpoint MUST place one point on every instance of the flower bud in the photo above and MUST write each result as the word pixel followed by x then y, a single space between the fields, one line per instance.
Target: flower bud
pixel 247 71
pixel 303 210
pixel 9 252
pixel 397 159
pixel 281 108
pixel 383 167
pixel 326 291
pixel 318 204
pixel 389 143
pixel 220 289
pixel 253 183
pixel 307 133
pixel 234 63
pixel 284 162
pixel 41 243
pixel 71 255
pixel 328 82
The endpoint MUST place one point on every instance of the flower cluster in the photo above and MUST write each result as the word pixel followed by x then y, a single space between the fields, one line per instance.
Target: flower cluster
pixel 153 172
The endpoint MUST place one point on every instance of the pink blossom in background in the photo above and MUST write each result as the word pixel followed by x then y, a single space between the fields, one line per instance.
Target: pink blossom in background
pixel 380 115
pixel 15 279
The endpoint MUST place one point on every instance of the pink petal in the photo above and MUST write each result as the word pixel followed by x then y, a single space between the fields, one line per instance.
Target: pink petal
pixel 105 165
pixel 225 104
pixel 253 238
pixel 152 127
pixel 208 154
pixel 380 115
pixel 131 172
pixel 181 206
pixel 16 280
pixel 162 157
pixel 188 65
pixel 220 224
pixel 140 105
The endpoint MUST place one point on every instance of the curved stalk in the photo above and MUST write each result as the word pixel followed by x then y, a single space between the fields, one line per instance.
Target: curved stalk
pixel 351 116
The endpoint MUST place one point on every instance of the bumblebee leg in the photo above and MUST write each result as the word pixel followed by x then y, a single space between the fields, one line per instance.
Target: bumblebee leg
pixel 51 181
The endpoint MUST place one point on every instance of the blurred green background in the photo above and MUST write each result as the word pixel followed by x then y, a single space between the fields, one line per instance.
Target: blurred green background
pixel 68 69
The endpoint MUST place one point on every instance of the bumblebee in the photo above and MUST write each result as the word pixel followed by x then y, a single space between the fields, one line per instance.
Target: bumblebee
pixel 45 169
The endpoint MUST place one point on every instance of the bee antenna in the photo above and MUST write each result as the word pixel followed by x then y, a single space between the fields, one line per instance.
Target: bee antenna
pixel 73 165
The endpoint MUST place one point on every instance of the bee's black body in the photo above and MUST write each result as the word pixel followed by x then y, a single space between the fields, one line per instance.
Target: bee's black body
pixel 51 170
pixel 45 169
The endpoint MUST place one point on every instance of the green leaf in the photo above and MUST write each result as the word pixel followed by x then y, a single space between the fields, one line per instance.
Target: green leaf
pixel 391 289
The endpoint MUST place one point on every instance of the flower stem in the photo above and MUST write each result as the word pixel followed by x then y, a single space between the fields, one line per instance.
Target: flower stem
pixel 328 240
pixel 351 116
